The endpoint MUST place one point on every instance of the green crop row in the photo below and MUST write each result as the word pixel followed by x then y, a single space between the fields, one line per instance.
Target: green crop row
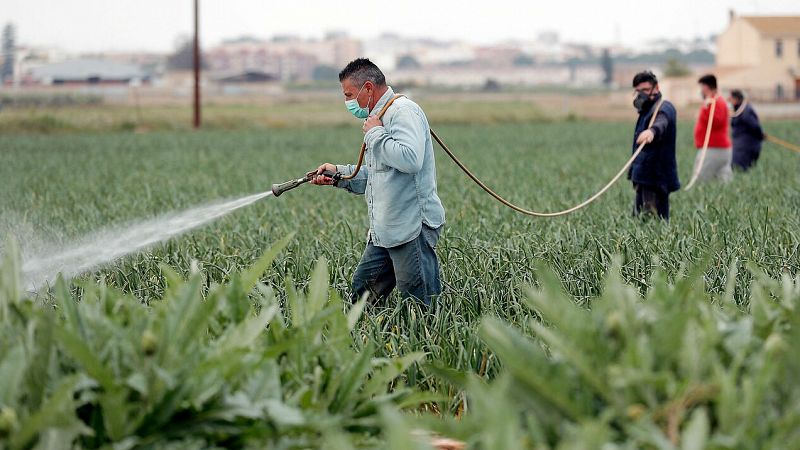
pixel 235 368
pixel 232 368
pixel 55 189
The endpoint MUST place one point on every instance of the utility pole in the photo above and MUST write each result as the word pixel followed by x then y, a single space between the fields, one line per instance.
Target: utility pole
pixel 196 63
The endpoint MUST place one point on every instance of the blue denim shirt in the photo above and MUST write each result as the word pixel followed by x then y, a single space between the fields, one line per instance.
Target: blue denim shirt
pixel 398 177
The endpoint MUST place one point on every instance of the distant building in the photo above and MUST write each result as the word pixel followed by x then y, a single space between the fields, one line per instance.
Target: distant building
pixel 497 56
pixel 476 77
pixel 27 58
pixel 761 55
pixel 388 48
pixel 151 62
pixel 87 72
pixel 287 58
pixel 247 76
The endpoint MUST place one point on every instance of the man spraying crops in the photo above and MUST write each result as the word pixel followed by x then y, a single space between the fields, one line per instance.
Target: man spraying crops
pixel 654 173
pixel 399 182
pixel 712 132
pixel 747 132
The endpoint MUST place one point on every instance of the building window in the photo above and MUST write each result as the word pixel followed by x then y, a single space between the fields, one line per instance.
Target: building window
pixel 778 48
pixel 798 48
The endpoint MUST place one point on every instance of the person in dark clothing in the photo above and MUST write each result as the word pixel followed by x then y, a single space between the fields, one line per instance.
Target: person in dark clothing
pixel 654 173
pixel 747 132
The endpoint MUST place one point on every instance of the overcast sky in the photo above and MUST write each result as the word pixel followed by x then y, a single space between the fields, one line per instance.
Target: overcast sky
pixel 97 25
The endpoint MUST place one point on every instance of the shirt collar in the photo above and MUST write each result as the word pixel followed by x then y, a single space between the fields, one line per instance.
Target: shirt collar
pixel 383 100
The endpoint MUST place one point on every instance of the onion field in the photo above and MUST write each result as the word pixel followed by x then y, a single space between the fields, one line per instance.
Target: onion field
pixel 594 330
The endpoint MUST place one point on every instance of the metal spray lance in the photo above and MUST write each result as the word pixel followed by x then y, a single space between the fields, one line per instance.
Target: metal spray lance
pixel 280 188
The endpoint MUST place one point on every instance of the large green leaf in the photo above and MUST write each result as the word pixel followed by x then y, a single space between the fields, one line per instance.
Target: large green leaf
pixel 57 413
pixel 12 370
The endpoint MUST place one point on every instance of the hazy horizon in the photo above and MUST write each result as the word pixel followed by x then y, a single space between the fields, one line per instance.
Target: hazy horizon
pixel 151 25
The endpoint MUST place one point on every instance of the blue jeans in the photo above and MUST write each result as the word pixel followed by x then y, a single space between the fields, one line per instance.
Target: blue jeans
pixel 413 267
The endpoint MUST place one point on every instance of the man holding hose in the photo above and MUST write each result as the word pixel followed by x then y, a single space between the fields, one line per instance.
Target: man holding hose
pixel 747 132
pixel 712 133
pixel 398 180
pixel 654 173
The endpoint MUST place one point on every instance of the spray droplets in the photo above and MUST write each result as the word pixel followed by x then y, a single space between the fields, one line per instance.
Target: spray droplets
pixel 108 245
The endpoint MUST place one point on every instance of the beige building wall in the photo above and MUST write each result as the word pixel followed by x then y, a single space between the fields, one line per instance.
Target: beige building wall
pixel 739 45
pixel 747 57
pixel 789 58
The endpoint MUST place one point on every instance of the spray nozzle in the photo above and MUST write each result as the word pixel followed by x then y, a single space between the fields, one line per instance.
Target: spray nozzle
pixel 278 189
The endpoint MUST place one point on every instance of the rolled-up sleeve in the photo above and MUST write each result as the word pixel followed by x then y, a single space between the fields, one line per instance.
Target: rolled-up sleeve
pixel 356 185
pixel 404 149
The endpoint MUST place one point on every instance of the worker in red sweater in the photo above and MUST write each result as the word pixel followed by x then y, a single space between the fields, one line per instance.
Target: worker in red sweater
pixel 717 162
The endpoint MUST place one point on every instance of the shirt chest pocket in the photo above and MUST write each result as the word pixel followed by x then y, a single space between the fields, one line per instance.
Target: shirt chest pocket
pixel 376 167
pixel 387 124
pixel 380 168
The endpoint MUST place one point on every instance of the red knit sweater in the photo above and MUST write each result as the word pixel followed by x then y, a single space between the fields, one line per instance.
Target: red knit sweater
pixel 719 127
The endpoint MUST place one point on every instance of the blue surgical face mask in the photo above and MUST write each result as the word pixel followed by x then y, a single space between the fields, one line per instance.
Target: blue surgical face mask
pixel 354 108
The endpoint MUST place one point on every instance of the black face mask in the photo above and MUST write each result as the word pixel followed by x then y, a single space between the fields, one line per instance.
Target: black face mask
pixel 642 101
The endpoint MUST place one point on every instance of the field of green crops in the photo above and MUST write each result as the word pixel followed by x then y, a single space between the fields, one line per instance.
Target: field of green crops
pixel 595 330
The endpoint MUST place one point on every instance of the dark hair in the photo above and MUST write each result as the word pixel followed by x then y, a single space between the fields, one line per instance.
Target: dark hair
pixel 709 80
pixel 362 70
pixel 645 77
pixel 737 94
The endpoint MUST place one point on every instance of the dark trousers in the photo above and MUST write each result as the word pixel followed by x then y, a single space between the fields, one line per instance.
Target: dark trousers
pixel 651 200
pixel 413 267
pixel 745 157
